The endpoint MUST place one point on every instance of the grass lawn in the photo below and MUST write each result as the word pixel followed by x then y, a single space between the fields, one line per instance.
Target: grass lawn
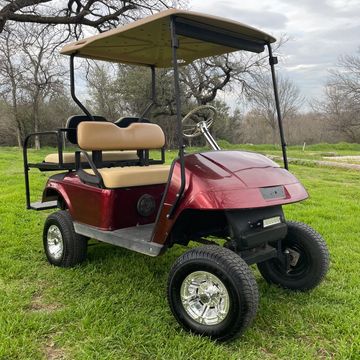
pixel 114 305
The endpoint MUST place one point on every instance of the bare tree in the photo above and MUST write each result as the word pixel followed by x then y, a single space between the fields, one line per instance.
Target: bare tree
pixel 11 80
pixel 42 71
pixel 235 128
pixel 262 101
pixel 74 14
pixel 204 78
pixel 341 105
pixel 339 113
pixel 347 78
pixel 310 128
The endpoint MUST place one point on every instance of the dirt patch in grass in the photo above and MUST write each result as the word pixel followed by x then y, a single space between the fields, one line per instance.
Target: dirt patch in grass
pixel 53 352
pixel 349 157
pixel 38 304
pixel 267 353
pixel 322 354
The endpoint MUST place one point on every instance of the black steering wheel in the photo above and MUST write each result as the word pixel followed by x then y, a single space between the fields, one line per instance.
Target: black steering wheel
pixel 197 118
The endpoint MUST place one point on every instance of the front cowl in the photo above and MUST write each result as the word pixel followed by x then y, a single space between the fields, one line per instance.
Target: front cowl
pixel 233 180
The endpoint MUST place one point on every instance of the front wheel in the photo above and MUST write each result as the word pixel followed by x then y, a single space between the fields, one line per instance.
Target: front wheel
pixel 212 292
pixel 308 260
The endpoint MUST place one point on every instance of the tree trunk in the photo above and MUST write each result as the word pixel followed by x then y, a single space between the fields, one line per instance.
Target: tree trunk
pixel 275 135
pixel 36 122
pixel 19 137
pixel 19 127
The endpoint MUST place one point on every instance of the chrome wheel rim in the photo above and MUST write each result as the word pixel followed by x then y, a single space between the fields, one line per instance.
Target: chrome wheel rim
pixel 205 298
pixel 55 242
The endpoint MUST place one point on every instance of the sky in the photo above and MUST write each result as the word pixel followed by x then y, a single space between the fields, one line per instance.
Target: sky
pixel 319 31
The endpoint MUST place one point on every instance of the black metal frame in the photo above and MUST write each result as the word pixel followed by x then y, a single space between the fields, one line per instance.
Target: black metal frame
pixel 44 166
pixel 95 179
pixel 153 95
pixel 72 89
pixel 175 45
pixel 273 61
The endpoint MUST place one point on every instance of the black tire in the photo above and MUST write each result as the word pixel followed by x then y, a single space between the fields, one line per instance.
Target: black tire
pixel 310 268
pixel 74 247
pixel 233 273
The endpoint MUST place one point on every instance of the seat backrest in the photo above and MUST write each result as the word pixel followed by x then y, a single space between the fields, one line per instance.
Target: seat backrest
pixel 94 135
pixel 72 124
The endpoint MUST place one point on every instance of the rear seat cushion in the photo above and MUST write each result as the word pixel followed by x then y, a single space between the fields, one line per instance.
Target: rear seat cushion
pixel 69 158
pixel 133 175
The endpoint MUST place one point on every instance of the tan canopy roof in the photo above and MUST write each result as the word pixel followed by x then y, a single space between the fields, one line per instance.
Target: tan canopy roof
pixel 148 41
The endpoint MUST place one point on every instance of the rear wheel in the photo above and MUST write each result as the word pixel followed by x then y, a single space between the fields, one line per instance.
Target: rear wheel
pixel 212 292
pixel 308 259
pixel 63 247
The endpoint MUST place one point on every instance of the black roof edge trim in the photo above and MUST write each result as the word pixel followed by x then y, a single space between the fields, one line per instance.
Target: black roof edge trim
pixel 216 35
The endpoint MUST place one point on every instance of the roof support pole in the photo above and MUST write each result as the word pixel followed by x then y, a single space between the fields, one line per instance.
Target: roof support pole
pixel 175 45
pixel 72 89
pixel 153 95
pixel 273 61
pixel 153 84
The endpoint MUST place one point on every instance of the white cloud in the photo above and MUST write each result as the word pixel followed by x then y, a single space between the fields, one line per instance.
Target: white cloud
pixel 319 31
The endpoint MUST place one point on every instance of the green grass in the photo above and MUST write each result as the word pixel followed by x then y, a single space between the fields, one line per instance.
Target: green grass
pixel 114 305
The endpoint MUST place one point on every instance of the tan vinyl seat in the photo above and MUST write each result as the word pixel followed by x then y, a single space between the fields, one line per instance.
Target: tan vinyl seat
pixel 69 158
pixel 98 135
pixel 129 176
pixel 107 136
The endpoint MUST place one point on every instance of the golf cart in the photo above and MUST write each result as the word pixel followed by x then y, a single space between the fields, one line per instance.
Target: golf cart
pixel 112 190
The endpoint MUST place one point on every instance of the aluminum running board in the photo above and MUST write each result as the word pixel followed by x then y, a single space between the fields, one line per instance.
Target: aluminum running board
pixel 135 238
pixel 43 205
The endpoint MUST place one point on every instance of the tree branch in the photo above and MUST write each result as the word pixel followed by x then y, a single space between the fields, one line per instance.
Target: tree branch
pixel 98 14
